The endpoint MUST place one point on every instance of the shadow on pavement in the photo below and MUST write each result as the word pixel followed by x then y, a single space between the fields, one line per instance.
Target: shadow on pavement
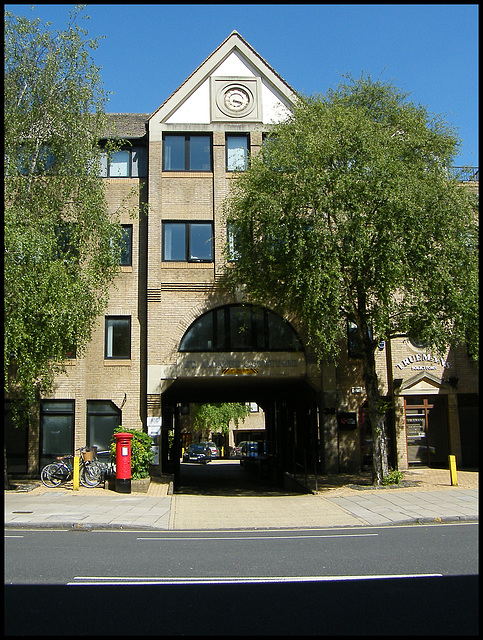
pixel 226 478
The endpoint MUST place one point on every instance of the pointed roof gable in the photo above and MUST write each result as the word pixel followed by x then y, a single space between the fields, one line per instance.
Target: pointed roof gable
pixel 423 382
pixel 244 61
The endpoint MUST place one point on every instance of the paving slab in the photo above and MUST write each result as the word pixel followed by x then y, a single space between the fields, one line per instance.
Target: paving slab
pixel 430 498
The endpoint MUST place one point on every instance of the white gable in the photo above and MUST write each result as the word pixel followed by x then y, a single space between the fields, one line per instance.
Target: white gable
pixel 195 109
pixel 234 65
pixel 233 61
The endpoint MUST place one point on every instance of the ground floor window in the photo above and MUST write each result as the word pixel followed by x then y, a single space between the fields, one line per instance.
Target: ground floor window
pixel 56 429
pixel 102 418
pixel 16 439
pixel 426 430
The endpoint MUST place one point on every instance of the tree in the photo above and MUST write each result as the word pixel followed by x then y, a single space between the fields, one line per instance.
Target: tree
pixel 349 215
pixel 62 246
pixel 217 417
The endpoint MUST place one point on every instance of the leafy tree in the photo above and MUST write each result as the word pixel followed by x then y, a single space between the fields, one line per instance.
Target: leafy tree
pixel 217 417
pixel 62 245
pixel 349 214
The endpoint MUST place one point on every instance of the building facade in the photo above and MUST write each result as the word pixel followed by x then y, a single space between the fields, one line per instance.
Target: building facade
pixel 171 337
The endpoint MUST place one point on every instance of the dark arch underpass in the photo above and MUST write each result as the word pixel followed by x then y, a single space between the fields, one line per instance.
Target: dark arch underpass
pixel 291 419
pixel 246 353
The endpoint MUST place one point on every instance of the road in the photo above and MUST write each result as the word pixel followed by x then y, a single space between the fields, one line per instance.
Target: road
pixel 298 582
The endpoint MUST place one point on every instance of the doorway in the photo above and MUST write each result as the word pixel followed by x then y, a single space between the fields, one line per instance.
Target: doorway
pixel 426 430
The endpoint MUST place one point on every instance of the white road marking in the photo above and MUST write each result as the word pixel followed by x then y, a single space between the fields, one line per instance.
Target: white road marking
pixel 303 537
pixel 130 580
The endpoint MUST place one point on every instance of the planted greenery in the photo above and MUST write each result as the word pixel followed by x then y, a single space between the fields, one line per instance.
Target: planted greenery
pixel 392 477
pixel 141 452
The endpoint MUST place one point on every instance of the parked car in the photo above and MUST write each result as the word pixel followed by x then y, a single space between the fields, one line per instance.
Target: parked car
pixel 197 453
pixel 215 452
pixel 251 449
pixel 237 451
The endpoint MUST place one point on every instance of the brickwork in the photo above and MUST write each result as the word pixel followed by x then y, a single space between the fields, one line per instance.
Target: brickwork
pixel 164 298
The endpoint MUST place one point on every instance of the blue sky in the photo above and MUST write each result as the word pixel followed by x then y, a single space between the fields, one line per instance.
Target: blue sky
pixel 429 51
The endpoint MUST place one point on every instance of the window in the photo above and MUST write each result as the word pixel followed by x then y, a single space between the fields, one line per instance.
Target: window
pixel 56 429
pixel 186 152
pixel 103 417
pixel 236 152
pixel 126 253
pixel 126 163
pixel 45 161
pixel 232 237
pixel 118 337
pixel 240 328
pixel 353 343
pixel 188 241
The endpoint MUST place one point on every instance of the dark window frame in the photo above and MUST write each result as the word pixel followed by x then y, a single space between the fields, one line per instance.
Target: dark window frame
pixel 188 241
pixel 94 410
pixel 126 252
pixel 187 151
pixel 60 408
pixel 219 323
pixel 106 338
pixel 354 346
pixel 143 165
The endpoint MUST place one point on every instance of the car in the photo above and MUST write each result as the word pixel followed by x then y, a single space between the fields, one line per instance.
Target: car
pixel 237 450
pixel 251 449
pixel 215 452
pixel 197 453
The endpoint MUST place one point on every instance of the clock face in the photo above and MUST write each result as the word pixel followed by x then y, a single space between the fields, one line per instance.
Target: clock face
pixel 236 99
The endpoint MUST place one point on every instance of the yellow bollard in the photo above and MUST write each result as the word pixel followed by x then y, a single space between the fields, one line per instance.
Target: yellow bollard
pixel 75 474
pixel 452 471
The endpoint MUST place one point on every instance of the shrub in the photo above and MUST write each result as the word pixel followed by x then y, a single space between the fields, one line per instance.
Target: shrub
pixel 393 477
pixel 141 452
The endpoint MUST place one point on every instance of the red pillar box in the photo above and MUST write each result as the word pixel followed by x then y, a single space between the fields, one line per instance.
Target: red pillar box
pixel 123 462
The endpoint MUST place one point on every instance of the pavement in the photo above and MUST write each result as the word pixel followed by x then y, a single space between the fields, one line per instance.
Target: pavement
pixel 424 496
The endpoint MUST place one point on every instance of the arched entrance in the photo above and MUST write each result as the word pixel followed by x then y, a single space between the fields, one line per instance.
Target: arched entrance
pixel 244 353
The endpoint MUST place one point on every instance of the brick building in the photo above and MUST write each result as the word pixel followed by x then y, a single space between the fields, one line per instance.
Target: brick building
pixel 170 337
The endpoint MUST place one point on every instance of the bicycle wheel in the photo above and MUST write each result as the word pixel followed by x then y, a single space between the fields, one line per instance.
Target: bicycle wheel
pixel 90 475
pixel 51 475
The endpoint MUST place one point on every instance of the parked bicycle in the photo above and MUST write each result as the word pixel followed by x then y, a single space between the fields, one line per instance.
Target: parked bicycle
pixel 91 471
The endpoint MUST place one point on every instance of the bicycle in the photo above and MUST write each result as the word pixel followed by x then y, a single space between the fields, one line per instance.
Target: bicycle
pixel 90 471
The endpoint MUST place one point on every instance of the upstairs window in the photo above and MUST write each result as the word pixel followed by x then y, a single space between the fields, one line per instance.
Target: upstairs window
pixel 126 163
pixel 188 241
pixel 126 245
pixel 236 152
pixel 240 328
pixel 232 232
pixel 354 345
pixel 186 152
pixel 118 338
pixel 31 162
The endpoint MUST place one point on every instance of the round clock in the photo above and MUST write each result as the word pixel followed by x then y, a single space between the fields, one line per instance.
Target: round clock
pixel 236 99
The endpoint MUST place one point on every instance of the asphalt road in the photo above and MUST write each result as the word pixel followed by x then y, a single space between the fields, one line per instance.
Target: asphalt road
pixel 64 557
pixel 408 580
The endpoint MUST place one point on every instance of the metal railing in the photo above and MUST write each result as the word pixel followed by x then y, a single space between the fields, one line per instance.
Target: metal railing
pixel 465 174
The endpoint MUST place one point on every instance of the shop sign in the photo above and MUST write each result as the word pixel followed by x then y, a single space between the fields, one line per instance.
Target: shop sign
pixel 347 421
pixel 233 364
pixel 423 362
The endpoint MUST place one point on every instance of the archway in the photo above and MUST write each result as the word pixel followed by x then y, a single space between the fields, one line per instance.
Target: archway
pixel 244 353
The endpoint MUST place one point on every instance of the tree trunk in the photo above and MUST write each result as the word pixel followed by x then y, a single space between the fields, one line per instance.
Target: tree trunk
pixel 376 416
pixel 5 474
